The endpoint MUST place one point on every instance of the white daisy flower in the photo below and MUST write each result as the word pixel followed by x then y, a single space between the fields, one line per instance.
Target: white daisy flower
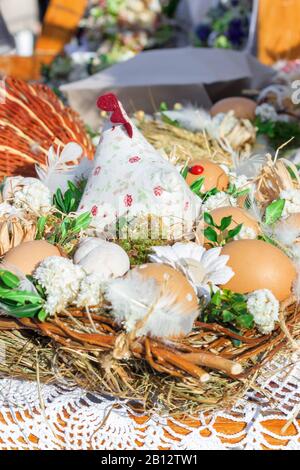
pixel 264 307
pixel 204 268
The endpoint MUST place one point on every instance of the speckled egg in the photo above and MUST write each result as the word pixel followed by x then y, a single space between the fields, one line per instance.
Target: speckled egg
pixel 174 283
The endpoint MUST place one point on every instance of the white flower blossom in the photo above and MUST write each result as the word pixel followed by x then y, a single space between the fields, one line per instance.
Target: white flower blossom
pixel 204 268
pixel 90 291
pixel 220 199
pixel 34 196
pixel 292 201
pixel 264 307
pixel 266 112
pixel 246 233
pixel 61 280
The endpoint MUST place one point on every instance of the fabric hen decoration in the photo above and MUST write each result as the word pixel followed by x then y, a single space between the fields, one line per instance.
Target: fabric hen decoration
pixel 131 179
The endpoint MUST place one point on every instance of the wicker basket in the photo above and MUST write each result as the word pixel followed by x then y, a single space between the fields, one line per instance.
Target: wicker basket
pixel 32 118
pixel 177 377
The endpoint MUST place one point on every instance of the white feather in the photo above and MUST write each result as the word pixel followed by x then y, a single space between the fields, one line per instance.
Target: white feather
pixel 285 233
pixel 135 298
pixel 63 167
pixel 191 118
pixel 250 166
pixel 252 205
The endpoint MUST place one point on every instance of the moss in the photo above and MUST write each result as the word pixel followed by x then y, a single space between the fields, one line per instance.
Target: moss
pixel 139 250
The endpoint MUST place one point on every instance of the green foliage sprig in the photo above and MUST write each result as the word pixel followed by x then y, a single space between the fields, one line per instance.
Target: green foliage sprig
pixel 236 192
pixel 65 230
pixel 229 308
pixel 70 200
pixel 63 226
pixel 197 185
pixel 278 132
pixel 19 303
pixel 219 235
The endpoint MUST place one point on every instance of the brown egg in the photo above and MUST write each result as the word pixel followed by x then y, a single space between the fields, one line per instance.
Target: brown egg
pixel 215 176
pixel 243 108
pixel 259 265
pixel 174 283
pixel 28 255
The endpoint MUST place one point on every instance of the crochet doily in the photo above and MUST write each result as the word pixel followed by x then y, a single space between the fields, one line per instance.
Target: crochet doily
pixel 36 417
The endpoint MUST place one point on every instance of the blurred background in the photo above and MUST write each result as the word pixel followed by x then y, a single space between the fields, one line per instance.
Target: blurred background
pixel 65 40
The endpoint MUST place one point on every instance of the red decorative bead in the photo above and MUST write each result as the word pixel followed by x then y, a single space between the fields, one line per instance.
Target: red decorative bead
pixel 196 170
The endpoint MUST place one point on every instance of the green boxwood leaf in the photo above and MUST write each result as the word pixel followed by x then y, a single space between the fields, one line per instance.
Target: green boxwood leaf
pixel 245 321
pixel 235 231
pixel 227 316
pixel 216 298
pixel 42 315
pixel 211 234
pixel 274 211
pixel 225 222
pixel 208 219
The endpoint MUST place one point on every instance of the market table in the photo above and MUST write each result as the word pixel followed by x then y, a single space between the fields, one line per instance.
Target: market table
pixel 57 417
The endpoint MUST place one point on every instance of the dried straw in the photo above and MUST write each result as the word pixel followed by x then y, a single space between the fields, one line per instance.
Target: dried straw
pixel 71 353
pixel 186 145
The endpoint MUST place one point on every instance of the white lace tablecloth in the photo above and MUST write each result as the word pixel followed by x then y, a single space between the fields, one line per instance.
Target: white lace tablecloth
pixel 51 417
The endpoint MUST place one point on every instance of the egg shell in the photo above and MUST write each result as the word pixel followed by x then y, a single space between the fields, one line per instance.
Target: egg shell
pixel 215 176
pixel 259 265
pixel 28 255
pixel 97 256
pixel 243 108
pixel 173 282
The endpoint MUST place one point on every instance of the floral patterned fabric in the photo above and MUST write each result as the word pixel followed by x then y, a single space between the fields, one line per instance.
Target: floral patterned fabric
pixel 130 178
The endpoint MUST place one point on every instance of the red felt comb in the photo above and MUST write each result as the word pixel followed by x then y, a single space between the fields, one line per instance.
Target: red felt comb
pixel 110 103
